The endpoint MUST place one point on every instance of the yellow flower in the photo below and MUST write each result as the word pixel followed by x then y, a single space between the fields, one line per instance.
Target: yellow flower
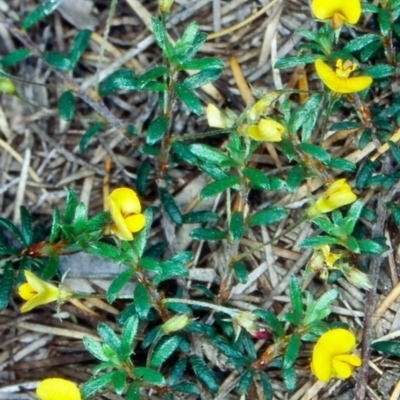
pixel 267 130
pixel 331 356
pixel 57 389
pixel 7 86
pixel 339 80
pixel 337 11
pixel 37 292
pixel 165 5
pixel 125 211
pixel 338 194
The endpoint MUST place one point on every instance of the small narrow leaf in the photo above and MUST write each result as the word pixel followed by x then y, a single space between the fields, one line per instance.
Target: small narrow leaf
pixel 207 234
pixel 204 374
pixel 40 12
pixel 156 130
pixel 142 300
pixel 170 206
pixel 268 216
pixel 189 98
pixel 6 285
pixel 66 104
pixel 90 132
pixel 217 187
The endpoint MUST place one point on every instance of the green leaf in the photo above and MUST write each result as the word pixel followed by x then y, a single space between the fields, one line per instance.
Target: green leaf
pixel 292 351
pixel 344 165
pixel 326 300
pixel 170 206
pixel 245 381
pixel 70 206
pixel 199 217
pixel 364 174
pixel 344 125
pixel 183 152
pixel 202 78
pixel 296 296
pixel 109 337
pixel 236 226
pixel 119 381
pixel 133 392
pixel 51 266
pixel 123 79
pixel 204 374
pixel 202 63
pixel 177 371
pixel 156 130
pixel 6 285
pixel 57 60
pixel 128 336
pixel 90 132
pixel 214 188
pixel 295 177
pixel 315 151
pixel 268 216
pixel 164 350
pixel 66 104
pixel 379 71
pixel 271 320
pixel 289 379
pixel 319 241
pixel 140 240
pixel 40 12
pixel 151 74
pixel 95 348
pixel 149 264
pixel 142 175
pixel 95 384
pixel 257 178
pixel 208 153
pixel 11 228
pixel 78 46
pixel 311 109
pixel 225 347
pixel 290 62
pixel 207 234
pixel 14 57
pixel 362 41
pixel 26 226
pixel 118 283
pixel 186 387
pixel 384 21
pixel 104 250
pixel 370 247
pixel 387 347
pixel 142 300
pixel 241 272
pixel 55 225
pixel 149 375
pixel 161 37
pixel 266 386
pixel 188 98
pixel 395 151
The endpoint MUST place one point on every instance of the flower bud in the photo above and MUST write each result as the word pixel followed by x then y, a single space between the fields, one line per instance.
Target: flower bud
pixel 7 86
pixel 174 324
pixel 165 5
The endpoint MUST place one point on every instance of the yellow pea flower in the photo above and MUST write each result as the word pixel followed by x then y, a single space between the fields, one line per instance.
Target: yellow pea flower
pixel 337 11
pixel 331 356
pixel 125 209
pixel 339 80
pixel 37 292
pixel 165 5
pixel 267 130
pixel 339 194
pixel 57 389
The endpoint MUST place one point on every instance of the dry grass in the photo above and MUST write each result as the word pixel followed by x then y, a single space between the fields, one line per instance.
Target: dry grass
pixel 39 158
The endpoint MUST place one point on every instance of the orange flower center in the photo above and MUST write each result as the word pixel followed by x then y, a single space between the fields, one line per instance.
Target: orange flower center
pixel 344 69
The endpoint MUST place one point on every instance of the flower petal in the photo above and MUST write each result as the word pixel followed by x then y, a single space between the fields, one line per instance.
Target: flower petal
pixel 337 341
pixel 338 84
pixel 126 200
pixel 321 363
pixel 350 10
pixel 342 369
pixel 57 389
pixel 350 359
pixel 136 222
pixel 119 227
pixel 26 292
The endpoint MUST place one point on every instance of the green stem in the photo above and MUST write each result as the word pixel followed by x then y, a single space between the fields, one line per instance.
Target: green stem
pixel 260 246
pixel 231 312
